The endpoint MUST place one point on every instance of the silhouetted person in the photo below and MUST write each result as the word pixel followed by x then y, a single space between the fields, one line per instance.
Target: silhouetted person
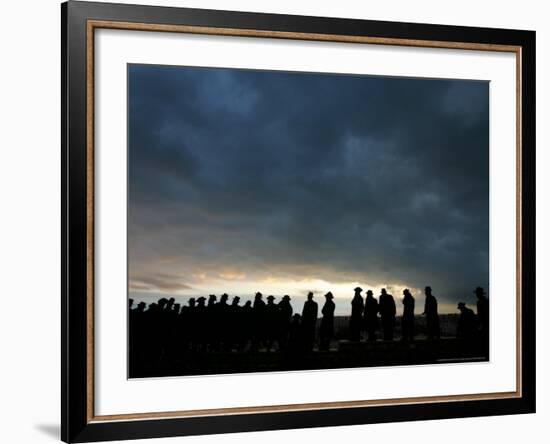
pixel 187 319
pixel 234 324
pixel 467 324
pixel 371 316
pixel 212 323
pixel 432 316
pixel 247 316
pixel 222 320
pixel 386 305
pixel 482 310
pixel 357 307
pixel 326 330
pixel 309 322
pixel 136 340
pixel 295 338
pixel 258 308
pixel 407 321
pixel 173 330
pixel 285 318
pixel 271 321
pixel 201 318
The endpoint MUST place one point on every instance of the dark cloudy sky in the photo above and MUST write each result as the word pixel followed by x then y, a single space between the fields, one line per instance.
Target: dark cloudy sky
pixel 279 182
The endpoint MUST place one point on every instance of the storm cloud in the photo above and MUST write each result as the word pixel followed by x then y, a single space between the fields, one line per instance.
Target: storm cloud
pixel 242 177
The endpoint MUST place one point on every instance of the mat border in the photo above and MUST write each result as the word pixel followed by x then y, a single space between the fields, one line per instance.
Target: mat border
pixel 79 22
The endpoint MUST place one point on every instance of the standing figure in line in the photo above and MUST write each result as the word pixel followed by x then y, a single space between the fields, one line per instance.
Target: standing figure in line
pixel 309 322
pixel 432 316
pixel 387 313
pixel 234 324
pixel 482 310
pixel 407 321
pixel 371 316
pixel 258 332
pixel 271 322
pixel 357 307
pixel 211 323
pixel 327 322
pixel 285 318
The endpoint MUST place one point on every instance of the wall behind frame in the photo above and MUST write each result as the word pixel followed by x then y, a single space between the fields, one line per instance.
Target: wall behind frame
pixel 30 217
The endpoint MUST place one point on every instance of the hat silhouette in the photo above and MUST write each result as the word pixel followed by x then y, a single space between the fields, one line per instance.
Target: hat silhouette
pixel 329 295
pixel 358 289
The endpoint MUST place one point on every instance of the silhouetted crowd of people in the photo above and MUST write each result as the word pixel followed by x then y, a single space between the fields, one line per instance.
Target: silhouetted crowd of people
pixel 372 315
pixel 165 329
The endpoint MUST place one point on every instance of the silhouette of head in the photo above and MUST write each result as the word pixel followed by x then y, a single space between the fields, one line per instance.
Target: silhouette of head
pixel 369 293
pixel 211 299
pixel 191 302
pixel 406 292
pixel 286 298
pixel 358 289
pixel 383 291
pixel 479 292
pixel 428 291
pixel 176 308
pixel 236 300
pixel 310 296
pixel 461 306
pixel 162 302
pixel 258 295
pixel 201 301
pixel 247 304
pixel 329 296
pixel 141 306
pixel 224 297
pixel 130 303
pixel 170 303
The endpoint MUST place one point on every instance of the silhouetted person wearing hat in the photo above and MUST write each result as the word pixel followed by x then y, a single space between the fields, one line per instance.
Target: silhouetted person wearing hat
pixel 357 308
pixel 371 316
pixel 247 317
pixel 309 321
pixel 222 325
pixel 258 308
pixel 387 313
pixel 482 310
pixel 432 316
pixel 234 324
pixel 187 319
pixel 271 322
pixel 285 318
pixel 136 330
pixel 467 324
pixel 407 321
pixel 211 323
pixel 326 330
pixel 201 318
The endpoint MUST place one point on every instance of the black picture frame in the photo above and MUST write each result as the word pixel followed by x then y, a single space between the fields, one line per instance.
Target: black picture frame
pixel 76 423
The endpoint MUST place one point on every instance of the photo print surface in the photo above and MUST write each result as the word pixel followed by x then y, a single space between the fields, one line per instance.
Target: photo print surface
pixel 283 221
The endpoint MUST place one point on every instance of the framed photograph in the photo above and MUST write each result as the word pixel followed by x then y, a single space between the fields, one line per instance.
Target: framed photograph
pixel 275 221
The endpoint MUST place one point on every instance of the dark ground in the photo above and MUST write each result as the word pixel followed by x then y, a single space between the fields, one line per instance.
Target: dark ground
pixel 342 354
